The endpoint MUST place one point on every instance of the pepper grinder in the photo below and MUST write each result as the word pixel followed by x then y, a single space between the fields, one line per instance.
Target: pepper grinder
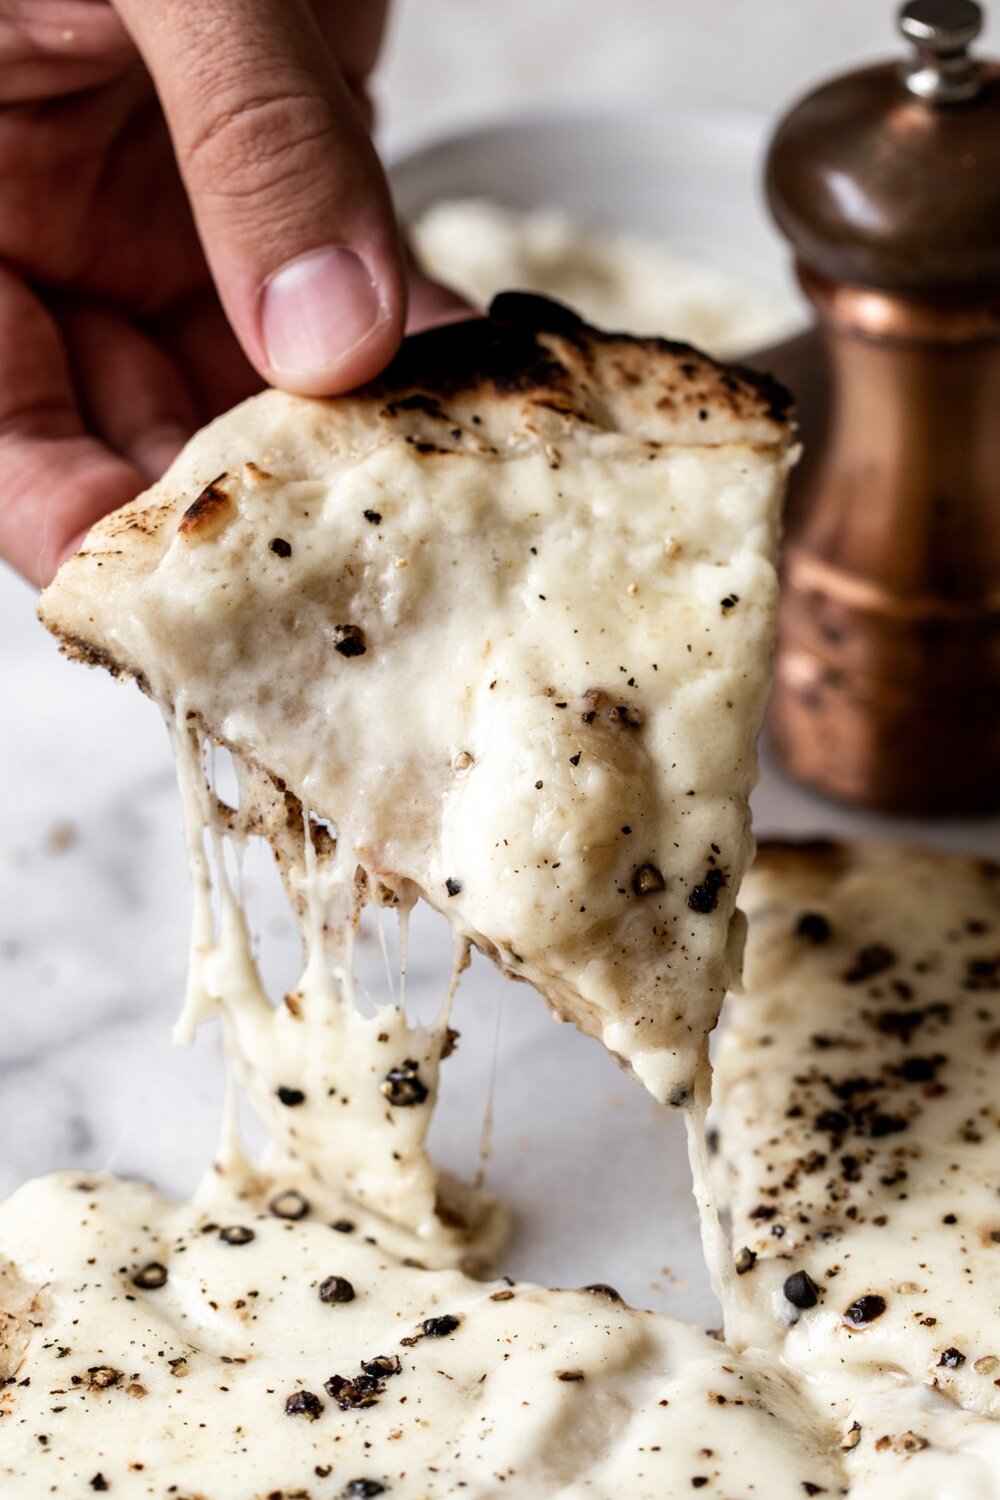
pixel 886 181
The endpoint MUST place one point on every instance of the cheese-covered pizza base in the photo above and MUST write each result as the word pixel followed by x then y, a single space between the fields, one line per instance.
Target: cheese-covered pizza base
pixel 857 1093
pixel 503 619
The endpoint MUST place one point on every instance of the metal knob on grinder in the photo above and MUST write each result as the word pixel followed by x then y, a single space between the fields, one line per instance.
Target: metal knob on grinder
pixel 887 183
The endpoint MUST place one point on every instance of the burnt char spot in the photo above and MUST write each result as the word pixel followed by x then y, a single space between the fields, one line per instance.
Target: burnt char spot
pixel 458 356
pixel 280 547
pixel 601 1289
pixel 419 401
pixel 290 1097
pixel 952 1359
pixel 705 896
pixel 534 312
pixel 503 353
pixel 204 514
pixel 363 1489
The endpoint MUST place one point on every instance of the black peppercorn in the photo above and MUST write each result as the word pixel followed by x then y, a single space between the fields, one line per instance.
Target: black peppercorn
pixel 705 896
pixel 865 1310
pixel 304 1404
pixel 813 927
pixel 151 1277
pixel 439 1328
pixel 403 1086
pixel 648 879
pixel 289 1205
pixel 801 1290
pixel 236 1234
pixel 290 1097
pixel 336 1289
pixel 349 640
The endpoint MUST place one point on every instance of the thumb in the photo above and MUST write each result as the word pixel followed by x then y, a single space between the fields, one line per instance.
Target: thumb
pixel 288 193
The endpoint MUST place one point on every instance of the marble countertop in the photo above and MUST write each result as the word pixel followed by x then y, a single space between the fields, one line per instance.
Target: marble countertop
pixel 94 901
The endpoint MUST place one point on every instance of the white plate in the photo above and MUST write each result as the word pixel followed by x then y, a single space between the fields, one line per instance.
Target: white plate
pixel 686 174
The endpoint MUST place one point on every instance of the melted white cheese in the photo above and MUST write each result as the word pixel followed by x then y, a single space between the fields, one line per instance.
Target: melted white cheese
pixel 182 1388
pixel 346 1097
pixel 857 1089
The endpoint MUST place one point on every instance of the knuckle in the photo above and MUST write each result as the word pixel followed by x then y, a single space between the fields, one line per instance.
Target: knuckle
pixel 257 145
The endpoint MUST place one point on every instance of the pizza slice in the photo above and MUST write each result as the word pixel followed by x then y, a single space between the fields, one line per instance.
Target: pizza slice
pixel 495 630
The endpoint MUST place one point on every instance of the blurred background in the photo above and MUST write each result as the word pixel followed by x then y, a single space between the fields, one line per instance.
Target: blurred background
pixel 449 61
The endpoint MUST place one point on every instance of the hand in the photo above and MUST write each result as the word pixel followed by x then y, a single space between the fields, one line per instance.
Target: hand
pixel 190 206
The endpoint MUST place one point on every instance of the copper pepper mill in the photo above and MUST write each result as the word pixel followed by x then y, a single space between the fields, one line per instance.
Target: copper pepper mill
pixel 887 183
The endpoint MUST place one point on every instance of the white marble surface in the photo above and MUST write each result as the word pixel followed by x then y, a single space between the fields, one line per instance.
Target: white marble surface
pixel 93 892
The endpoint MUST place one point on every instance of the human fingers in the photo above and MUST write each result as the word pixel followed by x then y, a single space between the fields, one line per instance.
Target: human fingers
pixel 431 303
pixel 50 48
pixel 55 478
pixel 290 199
pixel 353 34
pixel 131 394
pixel 199 340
